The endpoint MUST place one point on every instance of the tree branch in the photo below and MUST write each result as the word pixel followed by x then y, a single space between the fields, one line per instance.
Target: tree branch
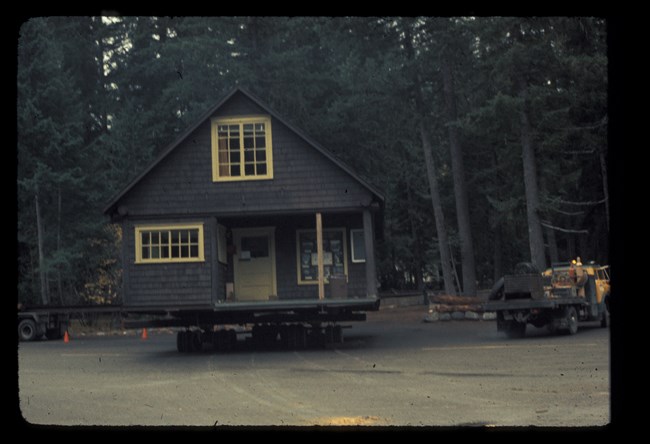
pixel 563 230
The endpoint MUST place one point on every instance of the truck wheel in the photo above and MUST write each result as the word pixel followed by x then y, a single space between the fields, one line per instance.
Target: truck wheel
pixel 515 330
pixel 604 321
pixel 571 317
pixel 27 330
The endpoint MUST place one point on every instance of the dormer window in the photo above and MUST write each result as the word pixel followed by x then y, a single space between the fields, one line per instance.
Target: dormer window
pixel 241 149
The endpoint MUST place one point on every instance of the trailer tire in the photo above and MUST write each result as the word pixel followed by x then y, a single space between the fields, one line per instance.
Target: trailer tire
pixel 184 341
pixel 196 341
pixel 301 336
pixel 27 330
pixel 338 334
pixel 181 343
pixel 288 336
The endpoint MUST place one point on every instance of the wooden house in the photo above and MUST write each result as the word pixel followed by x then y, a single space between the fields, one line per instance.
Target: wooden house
pixel 231 214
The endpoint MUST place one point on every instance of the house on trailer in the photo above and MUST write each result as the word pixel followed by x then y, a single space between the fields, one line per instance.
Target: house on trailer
pixel 231 214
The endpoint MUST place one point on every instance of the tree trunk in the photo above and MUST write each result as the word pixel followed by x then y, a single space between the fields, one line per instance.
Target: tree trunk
pixel 498 254
pixel 443 242
pixel 59 284
pixel 41 257
pixel 535 235
pixel 552 245
pixel 417 246
pixel 603 172
pixel 460 188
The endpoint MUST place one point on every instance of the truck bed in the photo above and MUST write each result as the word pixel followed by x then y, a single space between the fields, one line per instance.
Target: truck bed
pixel 525 304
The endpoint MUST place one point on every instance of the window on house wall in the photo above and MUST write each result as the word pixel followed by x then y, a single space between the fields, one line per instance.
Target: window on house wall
pixel 358 244
pixel 241 148
pixel 169 243
pixel 335 260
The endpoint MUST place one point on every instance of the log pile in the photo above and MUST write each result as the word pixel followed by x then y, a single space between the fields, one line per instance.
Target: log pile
pixel 447 307
pixel 449 303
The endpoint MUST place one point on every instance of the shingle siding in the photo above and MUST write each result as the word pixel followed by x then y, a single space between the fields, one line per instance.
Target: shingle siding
pixel 166 284
pixel 287 262
pixel 303 178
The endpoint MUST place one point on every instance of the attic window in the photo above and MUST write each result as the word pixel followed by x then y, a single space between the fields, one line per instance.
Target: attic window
pixel 241 149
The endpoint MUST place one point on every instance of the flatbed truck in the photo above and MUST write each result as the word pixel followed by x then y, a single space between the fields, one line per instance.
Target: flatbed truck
pixel 559 298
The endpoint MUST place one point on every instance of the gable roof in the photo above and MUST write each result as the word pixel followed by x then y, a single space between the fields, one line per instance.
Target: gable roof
pixel 238 90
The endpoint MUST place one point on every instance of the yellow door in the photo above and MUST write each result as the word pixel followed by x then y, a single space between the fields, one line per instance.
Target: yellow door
pixel 254 264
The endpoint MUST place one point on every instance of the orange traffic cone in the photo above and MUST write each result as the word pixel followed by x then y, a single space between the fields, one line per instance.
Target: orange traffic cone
pixel 144 333
pixel 66 338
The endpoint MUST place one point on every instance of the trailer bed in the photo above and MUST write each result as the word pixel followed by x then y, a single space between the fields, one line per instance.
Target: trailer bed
pixel 252 312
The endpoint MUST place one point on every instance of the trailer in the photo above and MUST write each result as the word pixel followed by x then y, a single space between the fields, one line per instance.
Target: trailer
pixel 559 298
pixel 244 220
pixel 293 325
pixel 51 322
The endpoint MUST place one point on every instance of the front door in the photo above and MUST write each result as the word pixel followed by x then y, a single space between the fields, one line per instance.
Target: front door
pixel 254 264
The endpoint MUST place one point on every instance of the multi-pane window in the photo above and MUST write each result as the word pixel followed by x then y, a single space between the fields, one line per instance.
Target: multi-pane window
pixel 173 243
pixel 241 149
pixel 335 260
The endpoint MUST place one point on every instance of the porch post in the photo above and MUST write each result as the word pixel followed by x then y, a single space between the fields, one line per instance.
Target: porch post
pixel 319 249
pixel 368 238
pixel 214 261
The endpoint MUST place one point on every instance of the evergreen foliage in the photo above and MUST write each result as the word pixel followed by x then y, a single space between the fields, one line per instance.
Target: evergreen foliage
pixel 100 97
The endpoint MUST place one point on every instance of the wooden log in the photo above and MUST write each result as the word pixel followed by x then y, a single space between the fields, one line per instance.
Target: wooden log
pixel 454 300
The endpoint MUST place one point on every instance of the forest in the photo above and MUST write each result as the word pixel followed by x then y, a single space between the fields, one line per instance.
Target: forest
pixel 487 135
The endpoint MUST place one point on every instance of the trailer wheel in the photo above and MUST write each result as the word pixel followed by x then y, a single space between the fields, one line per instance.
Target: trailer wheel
pixel 224 340
pixel 571 317
pixel 184 341
pixel 181 342
pixel 301 336
pixel 196 341
pixel 232 339
pixel 328 338
pixel 338 334
pixel 27 330
pixel 288 336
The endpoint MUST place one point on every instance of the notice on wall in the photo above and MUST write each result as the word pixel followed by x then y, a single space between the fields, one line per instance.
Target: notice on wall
pixel 333 254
